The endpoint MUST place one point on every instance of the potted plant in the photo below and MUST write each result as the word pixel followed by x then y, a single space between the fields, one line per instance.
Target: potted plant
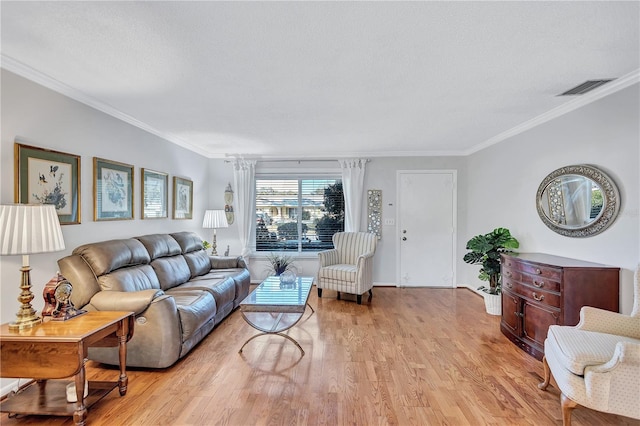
pixel 280 263
pixel 206 245
pixel 486 250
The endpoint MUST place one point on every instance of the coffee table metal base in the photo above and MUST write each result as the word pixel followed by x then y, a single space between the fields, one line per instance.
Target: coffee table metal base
pixel 274 323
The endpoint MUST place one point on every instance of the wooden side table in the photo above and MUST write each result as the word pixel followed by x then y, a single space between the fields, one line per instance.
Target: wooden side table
pixel 56 350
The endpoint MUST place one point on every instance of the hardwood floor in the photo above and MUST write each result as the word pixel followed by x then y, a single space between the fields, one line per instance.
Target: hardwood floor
pixel 411 357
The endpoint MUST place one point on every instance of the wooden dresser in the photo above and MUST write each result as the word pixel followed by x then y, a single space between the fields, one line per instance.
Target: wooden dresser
pixel 539 290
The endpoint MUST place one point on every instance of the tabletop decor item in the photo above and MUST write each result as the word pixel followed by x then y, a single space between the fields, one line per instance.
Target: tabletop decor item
pixel 28 229
pixel 214 219
pixel 57 298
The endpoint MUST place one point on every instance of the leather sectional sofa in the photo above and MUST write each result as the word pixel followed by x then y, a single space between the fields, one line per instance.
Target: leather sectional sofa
pixel 177 292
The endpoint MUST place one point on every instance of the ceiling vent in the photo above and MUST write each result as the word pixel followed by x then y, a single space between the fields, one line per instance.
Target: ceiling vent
pixel 585 87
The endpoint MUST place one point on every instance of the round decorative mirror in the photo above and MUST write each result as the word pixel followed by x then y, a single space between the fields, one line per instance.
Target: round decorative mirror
pixel 578 201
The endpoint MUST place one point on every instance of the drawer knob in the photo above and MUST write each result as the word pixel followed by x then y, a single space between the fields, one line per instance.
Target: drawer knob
pixel 508 273
pixel 538 284
pixel 538 298
pixel 538 271
pixel 508 284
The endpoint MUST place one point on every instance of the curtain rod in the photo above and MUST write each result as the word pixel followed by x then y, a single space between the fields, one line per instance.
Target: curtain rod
pixel 295 161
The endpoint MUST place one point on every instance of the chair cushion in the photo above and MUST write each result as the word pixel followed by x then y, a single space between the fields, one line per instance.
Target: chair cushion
pixel 577 349
pixel 338 272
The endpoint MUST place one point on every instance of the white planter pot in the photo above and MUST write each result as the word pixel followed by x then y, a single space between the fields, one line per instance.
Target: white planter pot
pixel 493 303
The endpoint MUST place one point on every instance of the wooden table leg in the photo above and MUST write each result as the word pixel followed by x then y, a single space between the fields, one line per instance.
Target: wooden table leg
pixel 124 380
pixel 80 415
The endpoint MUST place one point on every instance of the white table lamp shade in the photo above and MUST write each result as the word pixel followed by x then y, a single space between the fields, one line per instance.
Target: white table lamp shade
pixel 214 219
pixel 29 229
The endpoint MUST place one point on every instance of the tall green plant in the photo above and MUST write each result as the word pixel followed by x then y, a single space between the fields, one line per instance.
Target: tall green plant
pixel 486 250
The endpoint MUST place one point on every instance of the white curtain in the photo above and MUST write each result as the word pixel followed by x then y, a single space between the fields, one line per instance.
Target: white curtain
pixel 244 172
pixel 353 185
pixel 577 191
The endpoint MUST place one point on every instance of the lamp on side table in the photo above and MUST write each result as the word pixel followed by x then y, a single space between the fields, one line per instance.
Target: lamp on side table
pixel 214 219
pixel 28 229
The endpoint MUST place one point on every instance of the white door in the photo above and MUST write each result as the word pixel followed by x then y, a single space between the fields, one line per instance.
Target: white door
pixel 426 228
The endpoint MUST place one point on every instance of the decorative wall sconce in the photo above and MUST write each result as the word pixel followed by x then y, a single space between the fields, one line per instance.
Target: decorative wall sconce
pixel 374 211
pixel 228 204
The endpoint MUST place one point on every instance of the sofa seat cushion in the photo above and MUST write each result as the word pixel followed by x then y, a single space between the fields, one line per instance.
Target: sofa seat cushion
pixel 223 290
pixel 338 272
pixel 578 349
pixel 219 274
pixel 195 309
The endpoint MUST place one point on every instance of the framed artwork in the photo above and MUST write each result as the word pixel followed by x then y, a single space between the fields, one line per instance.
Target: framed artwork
pixel 182 198
pixel 112 190
pixel 43 176
pixel 155 193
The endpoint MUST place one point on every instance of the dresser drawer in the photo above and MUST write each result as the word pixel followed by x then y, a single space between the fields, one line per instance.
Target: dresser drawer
pixel 510 273
pixel 533 294
pixel 540 282
pixel 540 271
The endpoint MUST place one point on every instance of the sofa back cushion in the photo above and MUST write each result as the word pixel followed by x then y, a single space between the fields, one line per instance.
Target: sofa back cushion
pixel 193 252
pixel 171 271
pixel 160 245
pixel 134 278
pixel 121 265
pixel 111 255
pixel 188 241
pixel 199 263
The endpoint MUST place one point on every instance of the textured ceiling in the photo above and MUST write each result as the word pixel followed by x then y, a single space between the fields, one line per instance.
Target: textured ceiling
pixel 323 79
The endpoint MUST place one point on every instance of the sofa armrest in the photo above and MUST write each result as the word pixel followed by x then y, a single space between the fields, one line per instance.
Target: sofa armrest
pixel 328 257
pixel 602 321
pixel 227 262
pixel 135 301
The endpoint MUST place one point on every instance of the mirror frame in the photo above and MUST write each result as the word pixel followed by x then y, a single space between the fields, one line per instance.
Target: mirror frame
pixel 610 196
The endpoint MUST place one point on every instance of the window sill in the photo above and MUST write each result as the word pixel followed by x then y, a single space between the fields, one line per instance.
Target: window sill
pixel 262 255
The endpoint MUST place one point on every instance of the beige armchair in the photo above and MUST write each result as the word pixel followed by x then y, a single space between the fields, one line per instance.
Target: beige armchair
pixel 348 268
pixel 596 364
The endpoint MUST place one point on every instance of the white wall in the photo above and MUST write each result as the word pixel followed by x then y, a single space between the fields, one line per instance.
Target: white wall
pixel 40 117
pixel 503 180
pixel 604 134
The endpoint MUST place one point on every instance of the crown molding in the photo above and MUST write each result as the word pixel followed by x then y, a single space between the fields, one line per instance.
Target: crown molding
pixel 49 82
pixel 29 73
pixel 605 90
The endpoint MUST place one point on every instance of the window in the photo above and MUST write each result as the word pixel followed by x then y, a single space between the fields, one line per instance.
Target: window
pixel 298 214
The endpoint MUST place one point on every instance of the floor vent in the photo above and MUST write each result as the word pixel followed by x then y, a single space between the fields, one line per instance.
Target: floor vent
pixel 585 87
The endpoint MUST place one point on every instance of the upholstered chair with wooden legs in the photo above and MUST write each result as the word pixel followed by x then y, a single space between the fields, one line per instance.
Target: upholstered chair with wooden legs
pixel 596 364
pixel 348 267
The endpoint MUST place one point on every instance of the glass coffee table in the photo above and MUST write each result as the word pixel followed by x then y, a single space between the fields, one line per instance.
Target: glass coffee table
pixel 274 307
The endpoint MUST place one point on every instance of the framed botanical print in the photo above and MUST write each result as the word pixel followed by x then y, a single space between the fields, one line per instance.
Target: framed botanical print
pixel 112 190
pixel 182 198
pixel 155 192
pixel 44 176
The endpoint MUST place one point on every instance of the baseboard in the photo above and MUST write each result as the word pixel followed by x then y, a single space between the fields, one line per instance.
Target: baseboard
pixel 473 289
pixel 12 386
